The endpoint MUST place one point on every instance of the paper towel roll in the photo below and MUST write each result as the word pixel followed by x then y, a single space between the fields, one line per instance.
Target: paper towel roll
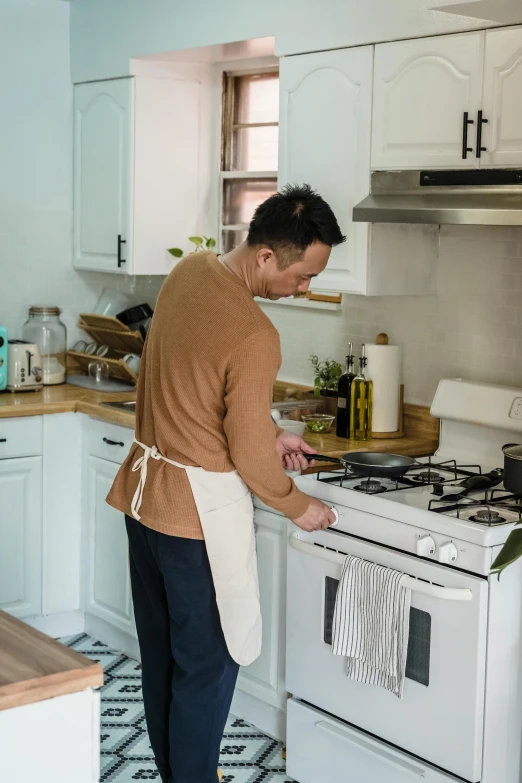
pixel 384 369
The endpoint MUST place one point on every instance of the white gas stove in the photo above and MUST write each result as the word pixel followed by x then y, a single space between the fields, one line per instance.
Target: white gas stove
pixel 461 716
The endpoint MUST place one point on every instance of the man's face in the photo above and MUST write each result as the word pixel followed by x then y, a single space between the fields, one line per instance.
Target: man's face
pixel 297 277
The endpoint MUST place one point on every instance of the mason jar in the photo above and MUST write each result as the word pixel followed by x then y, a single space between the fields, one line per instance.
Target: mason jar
pixel 44 328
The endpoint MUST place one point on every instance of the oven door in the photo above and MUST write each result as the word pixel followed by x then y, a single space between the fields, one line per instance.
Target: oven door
pixel 440 718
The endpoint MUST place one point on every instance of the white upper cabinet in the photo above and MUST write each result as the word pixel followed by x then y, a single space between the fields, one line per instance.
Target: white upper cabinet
pixel 102 171
pixel 136 172
pixel 422 91
pixel 502 102
pixel 325 124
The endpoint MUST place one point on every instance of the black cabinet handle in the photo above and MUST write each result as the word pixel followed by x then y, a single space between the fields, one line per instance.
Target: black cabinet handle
pixel 3 440
pixel 113 442
pixel 465 148
pixel 480 122
pixel 120 243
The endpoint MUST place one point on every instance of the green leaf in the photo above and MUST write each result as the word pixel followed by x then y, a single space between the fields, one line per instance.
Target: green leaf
pixel 509 553
pixel 196 240
pixel 211 242
pixel 177 252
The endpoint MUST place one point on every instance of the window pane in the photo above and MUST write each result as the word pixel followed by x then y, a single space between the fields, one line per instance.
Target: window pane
pixel 243 196
pixel 257 98
pixel 255 149
pixel 231 239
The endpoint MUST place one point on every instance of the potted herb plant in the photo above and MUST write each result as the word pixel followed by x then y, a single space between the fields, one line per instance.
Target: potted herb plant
pixel 200 243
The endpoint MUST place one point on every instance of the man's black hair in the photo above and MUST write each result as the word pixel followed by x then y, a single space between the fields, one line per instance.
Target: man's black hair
pixel 290 221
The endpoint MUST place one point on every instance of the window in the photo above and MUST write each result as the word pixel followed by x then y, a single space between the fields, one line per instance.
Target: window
pixel 249 150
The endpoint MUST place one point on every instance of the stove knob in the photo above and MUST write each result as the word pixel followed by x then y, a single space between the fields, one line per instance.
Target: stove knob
pixel 425 546
pixel 448 553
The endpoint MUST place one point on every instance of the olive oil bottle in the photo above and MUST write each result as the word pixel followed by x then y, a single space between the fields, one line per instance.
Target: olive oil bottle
pixel 344 390
pixel 361 402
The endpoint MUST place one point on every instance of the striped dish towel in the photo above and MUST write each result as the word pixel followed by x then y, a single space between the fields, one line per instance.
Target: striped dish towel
pixel 371 623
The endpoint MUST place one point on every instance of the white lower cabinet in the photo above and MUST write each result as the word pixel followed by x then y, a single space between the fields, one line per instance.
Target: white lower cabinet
pixel 108 594
pixel 261 694
pixel 21 536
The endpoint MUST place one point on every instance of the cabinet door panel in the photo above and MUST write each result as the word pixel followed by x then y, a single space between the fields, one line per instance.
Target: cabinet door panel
pixel 109 595
pixel 21 536
pixel 421 90
pixel 325 122
pixel 502 104
pixel 102 142
pixel 265 677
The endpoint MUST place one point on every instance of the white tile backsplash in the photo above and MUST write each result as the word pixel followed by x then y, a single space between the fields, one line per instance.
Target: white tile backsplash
pixel 471 328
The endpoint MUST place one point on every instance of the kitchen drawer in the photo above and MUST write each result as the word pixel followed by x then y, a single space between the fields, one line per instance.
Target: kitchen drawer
pixel 109 441
pixel 21 437
pixel 320 748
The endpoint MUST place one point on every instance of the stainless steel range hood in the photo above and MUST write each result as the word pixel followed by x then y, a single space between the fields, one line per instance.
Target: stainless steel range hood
pixel 491 197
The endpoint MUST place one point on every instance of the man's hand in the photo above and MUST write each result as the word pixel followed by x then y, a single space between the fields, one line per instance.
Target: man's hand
pixel 317 516
pixel 290 448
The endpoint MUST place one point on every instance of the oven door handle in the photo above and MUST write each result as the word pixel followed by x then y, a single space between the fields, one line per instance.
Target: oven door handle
pixel 416 585
pixel 383 756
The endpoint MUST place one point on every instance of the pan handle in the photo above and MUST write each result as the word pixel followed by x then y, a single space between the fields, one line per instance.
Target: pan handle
pixel 322 458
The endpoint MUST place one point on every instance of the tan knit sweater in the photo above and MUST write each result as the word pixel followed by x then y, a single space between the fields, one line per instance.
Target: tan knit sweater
pixel 204 395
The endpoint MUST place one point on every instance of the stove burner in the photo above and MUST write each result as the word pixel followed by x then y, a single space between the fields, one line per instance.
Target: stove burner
pixel 487 516
pixel 371 487
pixel 426 477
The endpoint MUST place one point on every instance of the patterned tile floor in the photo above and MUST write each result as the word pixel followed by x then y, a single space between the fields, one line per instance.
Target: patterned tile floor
pixel 247 755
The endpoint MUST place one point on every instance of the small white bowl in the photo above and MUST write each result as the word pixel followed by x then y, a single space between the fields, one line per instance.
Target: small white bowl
pixel 297 427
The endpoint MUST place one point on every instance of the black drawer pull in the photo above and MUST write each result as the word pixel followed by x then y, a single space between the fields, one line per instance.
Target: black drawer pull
pixel 480 123
pixel 120 243
pixel 465 148
pixel 113 442
pixel 3 440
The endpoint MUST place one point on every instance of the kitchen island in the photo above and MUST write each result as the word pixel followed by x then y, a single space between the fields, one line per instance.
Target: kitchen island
pixel 49 708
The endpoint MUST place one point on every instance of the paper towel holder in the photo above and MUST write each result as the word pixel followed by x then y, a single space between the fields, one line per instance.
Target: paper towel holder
pixel 382 339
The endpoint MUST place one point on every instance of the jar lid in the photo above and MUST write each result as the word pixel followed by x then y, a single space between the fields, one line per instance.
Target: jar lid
pixel 44 310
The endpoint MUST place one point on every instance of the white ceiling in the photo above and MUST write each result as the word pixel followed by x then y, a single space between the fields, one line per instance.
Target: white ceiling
pixel 499 11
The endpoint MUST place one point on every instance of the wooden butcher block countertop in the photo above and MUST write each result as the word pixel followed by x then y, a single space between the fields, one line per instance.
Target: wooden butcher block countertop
pixel 421 429
pixel 34 667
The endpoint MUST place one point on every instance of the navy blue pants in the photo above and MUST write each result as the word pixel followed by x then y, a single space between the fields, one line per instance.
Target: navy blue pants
pixel 188 675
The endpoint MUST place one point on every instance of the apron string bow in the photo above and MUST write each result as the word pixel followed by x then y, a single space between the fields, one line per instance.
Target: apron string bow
pixel 141 465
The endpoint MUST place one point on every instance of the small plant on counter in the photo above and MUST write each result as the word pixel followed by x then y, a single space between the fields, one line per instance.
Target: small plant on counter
pixel 201 243
pixel 327 374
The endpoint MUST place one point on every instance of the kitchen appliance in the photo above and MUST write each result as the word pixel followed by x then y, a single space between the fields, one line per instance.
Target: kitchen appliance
pixel 490 197
pixel 24 366
pixel 461 715
pixel 3 357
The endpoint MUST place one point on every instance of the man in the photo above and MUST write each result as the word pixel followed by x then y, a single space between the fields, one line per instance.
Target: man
pixel 204 439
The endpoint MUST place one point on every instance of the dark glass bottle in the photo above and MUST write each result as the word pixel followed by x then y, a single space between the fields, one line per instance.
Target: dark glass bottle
pixel 343 396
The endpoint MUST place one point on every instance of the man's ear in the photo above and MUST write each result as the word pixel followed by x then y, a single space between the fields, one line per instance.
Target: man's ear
pixel 264 256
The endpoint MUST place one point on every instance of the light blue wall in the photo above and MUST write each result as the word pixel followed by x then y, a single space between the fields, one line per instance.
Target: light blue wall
pixel 105 34
pixel 36 169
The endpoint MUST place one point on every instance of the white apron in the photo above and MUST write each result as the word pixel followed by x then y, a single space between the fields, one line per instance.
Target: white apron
pixel 225 508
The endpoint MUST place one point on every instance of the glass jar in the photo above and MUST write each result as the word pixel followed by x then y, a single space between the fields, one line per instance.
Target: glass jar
pixel 44 328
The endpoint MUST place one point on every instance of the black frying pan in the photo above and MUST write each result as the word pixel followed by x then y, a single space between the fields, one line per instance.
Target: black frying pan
pixel 367 463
